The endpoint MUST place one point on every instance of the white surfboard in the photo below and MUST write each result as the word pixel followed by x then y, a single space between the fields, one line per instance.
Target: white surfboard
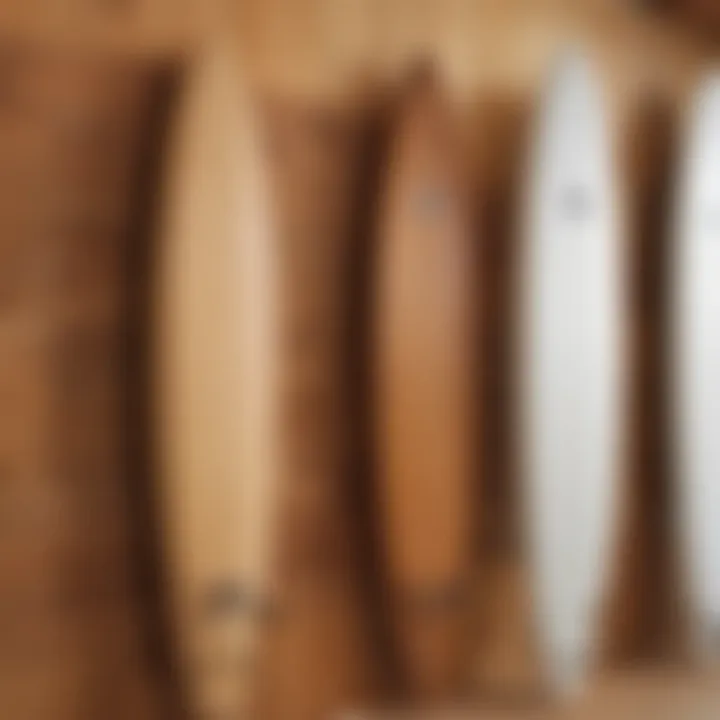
pixel 216 377
pixel 695 318
pixel 570 367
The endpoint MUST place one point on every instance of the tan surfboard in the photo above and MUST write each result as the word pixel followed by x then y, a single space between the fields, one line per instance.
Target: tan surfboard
pixel 217 385
pixel 424 390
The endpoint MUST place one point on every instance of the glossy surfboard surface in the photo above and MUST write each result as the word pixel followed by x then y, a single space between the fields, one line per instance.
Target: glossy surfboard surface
pixel 695 312
pixel 216 383
pixel 424 389
pixel 570 343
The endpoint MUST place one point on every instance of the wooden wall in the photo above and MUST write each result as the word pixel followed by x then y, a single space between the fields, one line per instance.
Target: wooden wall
pixel 72 138
pixel 85 90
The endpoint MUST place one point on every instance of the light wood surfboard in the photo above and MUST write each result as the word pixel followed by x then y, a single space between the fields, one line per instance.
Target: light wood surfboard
pixel 695 320
pixel 570 367
pixel 424 375
pixel 217 385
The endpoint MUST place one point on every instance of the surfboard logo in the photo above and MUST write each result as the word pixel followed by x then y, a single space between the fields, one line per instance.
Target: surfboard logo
pixel 431 204
pixel 576 203
pixel 228 598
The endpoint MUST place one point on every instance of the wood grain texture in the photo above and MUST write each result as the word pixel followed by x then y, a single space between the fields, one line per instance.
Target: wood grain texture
pixel 324 649
pixel 73 146
pixel 664 692
pixel 703 14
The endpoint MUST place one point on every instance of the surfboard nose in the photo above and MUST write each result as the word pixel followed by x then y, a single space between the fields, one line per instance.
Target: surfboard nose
pixel 574 91
pixel 422 75
pixel 573 67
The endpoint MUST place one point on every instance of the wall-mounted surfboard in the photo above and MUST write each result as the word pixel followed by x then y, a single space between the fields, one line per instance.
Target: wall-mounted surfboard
pixel 695 321
pixel 424 370
pixel 217 384
pixel 571 360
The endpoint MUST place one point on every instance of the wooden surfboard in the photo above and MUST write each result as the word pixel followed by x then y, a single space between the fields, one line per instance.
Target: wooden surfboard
pixel 424 377
pixel 570 291
pixel 695 321
pixel 217 384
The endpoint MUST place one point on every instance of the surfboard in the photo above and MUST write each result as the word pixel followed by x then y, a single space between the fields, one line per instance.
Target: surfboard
pixel 216 378
pixel 424 384
pixel 695 321
pixel 570 363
